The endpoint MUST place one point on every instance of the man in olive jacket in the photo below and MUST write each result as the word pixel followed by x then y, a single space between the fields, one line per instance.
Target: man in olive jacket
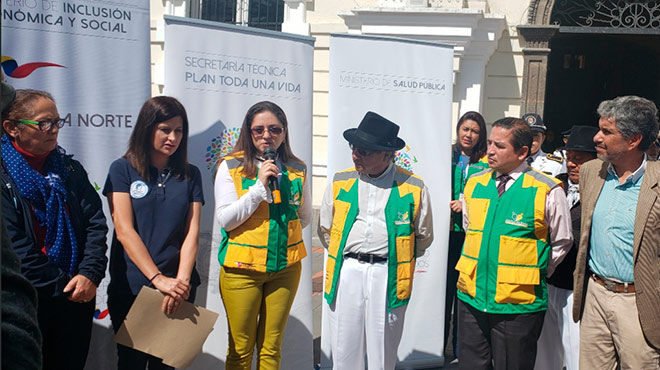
pixel 617 274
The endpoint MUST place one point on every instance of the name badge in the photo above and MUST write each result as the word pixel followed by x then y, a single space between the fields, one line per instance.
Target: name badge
pixel 139 189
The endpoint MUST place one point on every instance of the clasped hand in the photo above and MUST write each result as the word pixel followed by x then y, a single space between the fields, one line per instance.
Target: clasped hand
pixel 175 290
pixel 456 206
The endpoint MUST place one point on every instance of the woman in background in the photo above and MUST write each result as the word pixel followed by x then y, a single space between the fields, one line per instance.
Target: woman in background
pixel 55 222
pixel 262 243
pixel 469 157
pixel 156 200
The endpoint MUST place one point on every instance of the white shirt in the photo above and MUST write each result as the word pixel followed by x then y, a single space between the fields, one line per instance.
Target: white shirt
pixel 562 154
pixel 369 232
pixel 573 194
pixel 557 216
pixel 541 163
pixel 231 212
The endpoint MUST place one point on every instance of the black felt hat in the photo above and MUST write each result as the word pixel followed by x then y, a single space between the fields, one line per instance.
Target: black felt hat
pixel 582 139
pixel 375 132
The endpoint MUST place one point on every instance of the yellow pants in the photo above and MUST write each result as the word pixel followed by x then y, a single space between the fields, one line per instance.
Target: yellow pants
pixel 257 306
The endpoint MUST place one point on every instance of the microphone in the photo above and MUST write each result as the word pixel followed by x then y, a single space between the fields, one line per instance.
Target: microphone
pixel 273 184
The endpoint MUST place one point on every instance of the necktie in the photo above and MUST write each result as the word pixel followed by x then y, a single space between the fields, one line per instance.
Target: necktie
pixel 530 160
pixel 501 187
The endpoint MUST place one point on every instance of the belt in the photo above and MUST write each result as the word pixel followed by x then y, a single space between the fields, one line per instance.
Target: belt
pixel 366 257
pixel 614 286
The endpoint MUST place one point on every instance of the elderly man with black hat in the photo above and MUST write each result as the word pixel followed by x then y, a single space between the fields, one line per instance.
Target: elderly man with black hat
pixel 559 343
pixel 375 221
pixel 548 163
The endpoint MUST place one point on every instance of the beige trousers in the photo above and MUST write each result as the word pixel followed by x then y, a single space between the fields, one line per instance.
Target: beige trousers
pixel 610 333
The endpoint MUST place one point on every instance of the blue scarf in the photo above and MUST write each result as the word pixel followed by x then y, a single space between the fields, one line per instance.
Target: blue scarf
pixel 47 195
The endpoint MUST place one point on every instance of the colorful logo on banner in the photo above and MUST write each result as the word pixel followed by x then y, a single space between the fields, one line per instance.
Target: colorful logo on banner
pixel 405 159
pixel 100 315
pixel 12 69
pixel 221 145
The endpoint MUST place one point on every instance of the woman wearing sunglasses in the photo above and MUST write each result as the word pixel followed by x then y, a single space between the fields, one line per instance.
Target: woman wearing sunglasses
pixel 262 243
pixel 55 221
pixel 469 157
pixel 156 199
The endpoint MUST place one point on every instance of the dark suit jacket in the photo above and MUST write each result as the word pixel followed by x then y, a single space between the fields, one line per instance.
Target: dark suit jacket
pixel 563 275
pixel 646 244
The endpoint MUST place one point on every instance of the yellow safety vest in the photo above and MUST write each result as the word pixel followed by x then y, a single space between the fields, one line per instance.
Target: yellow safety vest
pixel 271 239
pixel 400 213
pixel 503 263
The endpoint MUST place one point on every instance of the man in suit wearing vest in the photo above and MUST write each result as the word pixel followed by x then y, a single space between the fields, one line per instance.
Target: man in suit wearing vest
pixel 518 230
pixel 617 273
pixel 375 221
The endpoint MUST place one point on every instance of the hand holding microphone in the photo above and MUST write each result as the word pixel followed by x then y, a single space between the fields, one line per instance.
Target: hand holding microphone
pixel 273 183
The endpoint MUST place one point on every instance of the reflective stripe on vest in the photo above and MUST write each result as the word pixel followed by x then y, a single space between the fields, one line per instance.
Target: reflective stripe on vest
pixel 502 268
pixel 271 239
pixel 400 212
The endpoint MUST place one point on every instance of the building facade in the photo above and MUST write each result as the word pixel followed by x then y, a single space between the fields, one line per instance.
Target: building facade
pixel 557 58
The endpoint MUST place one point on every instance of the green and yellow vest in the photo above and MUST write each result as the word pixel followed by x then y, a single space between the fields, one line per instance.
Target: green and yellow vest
pixel 458 184
pixel 400 213
pixel 271 239
pixel 503 264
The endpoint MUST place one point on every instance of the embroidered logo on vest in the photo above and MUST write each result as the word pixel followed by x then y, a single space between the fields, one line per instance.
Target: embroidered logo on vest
pixel 515 220
pixel 402 219
pixel 294 199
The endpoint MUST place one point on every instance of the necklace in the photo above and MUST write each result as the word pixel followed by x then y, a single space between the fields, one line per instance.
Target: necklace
pixel 164 176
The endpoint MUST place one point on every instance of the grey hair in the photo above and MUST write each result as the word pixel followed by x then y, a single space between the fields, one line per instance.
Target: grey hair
pixel 633 116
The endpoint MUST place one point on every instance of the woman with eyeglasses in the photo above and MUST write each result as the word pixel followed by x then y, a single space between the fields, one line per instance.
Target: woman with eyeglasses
pixel 156 200
pixel 55 222
pixel 468 158
pixel 262 244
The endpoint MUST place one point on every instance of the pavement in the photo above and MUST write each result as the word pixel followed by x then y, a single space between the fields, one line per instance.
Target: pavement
pixel 317 299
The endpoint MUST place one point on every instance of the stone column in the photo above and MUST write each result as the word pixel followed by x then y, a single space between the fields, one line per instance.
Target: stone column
pixel 295 17
pixel 535 70
pixel 470 83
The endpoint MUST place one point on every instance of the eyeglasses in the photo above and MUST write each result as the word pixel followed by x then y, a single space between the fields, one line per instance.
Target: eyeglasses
pixel 259 130
pixel 44 125
pixel 362 152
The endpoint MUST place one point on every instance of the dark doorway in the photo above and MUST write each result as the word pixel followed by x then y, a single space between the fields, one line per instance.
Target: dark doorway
pixel 587 68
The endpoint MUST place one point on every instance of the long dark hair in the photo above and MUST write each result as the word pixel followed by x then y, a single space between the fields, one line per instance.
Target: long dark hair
pixel 154 111
pixel 479 149
pixel 245 149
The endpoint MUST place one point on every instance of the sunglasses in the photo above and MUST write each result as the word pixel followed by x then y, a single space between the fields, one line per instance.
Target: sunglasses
pixel 362 152
pixel 259 130
pixel 44 125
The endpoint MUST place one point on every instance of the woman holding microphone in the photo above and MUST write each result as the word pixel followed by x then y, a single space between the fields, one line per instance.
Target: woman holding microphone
pixel 262 243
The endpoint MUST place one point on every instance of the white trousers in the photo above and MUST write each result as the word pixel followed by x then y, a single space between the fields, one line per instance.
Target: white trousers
pixel 359 320
pixel 559 342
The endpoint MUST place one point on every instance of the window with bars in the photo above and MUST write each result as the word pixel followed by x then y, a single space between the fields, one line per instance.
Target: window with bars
pixel 267 14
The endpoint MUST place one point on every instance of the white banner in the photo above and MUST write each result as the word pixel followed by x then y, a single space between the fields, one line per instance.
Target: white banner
pixel 410 83
pixel 94 58
pixel 218 71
